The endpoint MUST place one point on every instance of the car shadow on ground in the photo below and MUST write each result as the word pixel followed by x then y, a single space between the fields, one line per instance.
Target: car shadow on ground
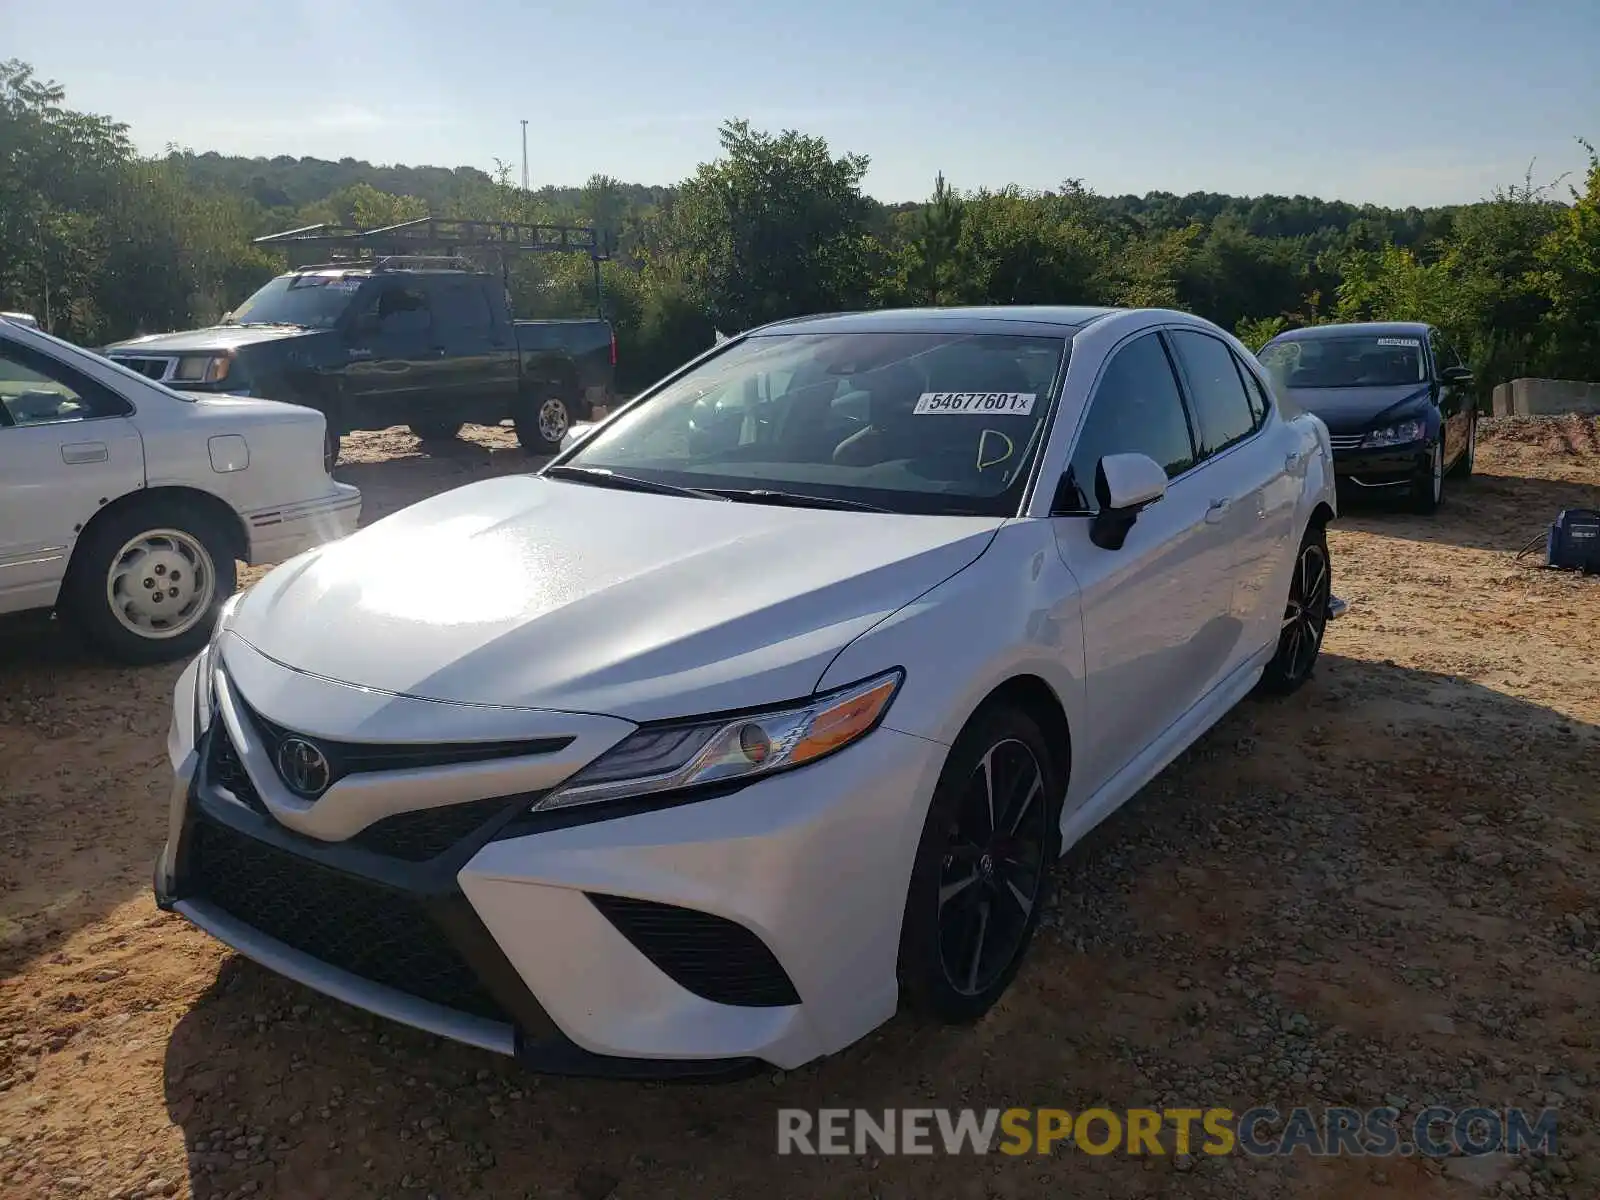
pixel 1331 882
pixel 1499 513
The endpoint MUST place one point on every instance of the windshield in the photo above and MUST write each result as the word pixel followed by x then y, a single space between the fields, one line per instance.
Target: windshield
pixel 1359 360
pixel 316 301
pixel 912 422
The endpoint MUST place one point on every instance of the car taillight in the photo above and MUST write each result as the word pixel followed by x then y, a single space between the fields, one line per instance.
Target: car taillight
pixel 613 347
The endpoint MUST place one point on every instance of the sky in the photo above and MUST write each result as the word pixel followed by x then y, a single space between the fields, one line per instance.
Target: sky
pixel 1423 102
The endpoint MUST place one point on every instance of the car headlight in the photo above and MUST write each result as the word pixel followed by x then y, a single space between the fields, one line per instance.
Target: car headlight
pixel 691 754
pixel 205 699
pixel 1397 435
pixel 203 368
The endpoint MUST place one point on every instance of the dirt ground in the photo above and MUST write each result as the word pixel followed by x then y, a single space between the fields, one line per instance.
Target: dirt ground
pixel 1385 889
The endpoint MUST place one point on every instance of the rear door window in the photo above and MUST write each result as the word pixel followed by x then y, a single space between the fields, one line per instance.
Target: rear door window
pixel 1222 409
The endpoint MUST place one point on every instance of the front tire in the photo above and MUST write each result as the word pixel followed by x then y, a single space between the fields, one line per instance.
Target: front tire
pixel 1305 617
pixel 1427 492
pixel 145 583
pixel 330 448
pixel 541 422
pixel 981 873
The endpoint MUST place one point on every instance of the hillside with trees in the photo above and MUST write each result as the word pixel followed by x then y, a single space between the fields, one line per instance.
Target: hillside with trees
pixel 100 243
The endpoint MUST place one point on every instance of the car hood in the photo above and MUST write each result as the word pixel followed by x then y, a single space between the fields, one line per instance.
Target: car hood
pixel 531 592
pixel 217 337
pixel 1357 409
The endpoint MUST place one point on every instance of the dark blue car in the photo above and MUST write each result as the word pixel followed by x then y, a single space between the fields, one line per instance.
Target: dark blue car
pixel 1395 397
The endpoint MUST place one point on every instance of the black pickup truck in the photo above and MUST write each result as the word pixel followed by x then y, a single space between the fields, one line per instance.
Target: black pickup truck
pixel 372 346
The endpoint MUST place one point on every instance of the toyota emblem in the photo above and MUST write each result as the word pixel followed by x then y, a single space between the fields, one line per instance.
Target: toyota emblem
pixel 304 767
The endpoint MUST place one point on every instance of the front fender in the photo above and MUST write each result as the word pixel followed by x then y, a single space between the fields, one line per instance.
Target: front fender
pixel 1013 611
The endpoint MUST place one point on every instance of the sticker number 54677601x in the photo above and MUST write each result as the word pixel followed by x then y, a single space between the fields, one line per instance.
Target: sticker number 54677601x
pixel 985 404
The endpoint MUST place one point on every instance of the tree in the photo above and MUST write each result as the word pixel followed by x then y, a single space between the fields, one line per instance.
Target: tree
pixel 932 264
pixel 772 229
pixel 1569 274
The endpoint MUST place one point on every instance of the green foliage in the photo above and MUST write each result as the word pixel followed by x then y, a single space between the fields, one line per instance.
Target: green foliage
pixel 100 243
pixel 1256 332
pixel 1569 273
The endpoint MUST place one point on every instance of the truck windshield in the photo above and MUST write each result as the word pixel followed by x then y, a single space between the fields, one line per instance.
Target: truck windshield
pixel 316 301
pixel 945 423
pixel 1364 360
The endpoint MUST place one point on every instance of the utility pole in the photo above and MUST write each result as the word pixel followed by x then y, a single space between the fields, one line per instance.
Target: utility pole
pixel 524 155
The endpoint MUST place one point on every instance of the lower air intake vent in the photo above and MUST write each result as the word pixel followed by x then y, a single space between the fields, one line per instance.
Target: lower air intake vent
pixel 370 931
pixel 716 959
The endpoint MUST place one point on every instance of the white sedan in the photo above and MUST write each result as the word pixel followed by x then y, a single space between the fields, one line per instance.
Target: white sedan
pixel 124 504
pixel 765 706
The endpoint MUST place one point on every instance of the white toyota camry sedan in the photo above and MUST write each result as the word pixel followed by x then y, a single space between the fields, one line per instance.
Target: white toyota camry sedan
pixel 765 706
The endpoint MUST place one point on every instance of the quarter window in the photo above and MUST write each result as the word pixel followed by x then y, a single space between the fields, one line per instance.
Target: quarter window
pixel 1254 392
pixel 1136 409
pixel 1222 409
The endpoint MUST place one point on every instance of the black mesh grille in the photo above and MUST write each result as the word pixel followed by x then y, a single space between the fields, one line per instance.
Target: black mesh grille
pixel 225 768
pixel 377 933
pixel 714 958
pixel 428 833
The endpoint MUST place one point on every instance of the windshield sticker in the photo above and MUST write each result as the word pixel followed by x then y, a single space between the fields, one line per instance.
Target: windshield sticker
pixel 983 404
pixel 346 285
pixel 1400 342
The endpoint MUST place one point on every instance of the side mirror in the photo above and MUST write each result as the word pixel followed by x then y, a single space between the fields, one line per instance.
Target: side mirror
pixel 574 435
pixel 1455 375
pixel 1125 485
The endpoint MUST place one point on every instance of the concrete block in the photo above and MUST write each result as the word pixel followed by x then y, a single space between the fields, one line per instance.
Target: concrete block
pixel 1551 397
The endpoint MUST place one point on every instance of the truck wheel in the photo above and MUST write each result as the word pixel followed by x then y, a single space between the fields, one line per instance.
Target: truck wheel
pixel 541 423
pixel 145 583
pixel 436 431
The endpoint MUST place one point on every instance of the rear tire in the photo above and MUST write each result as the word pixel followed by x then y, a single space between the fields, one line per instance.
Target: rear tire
pixel 436 431
pixel 145 583
pixel 1463 467
pixel 1305 617
pixel 981 875
pixel 541 422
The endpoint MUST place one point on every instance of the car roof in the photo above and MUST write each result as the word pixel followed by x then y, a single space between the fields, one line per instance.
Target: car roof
pixel 1378 328
pixel 1040 320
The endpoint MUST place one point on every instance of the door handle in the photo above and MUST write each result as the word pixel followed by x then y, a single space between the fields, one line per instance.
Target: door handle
pixel 77 453
pixel 1217 510
pixel 438 351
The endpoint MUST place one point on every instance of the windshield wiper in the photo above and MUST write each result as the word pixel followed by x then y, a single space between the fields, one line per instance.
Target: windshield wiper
pixel 795 499
pixel 605 477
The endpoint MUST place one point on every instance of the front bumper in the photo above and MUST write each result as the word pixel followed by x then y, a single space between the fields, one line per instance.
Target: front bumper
pixel 1387 466
pixel 283 531
pixel 755 927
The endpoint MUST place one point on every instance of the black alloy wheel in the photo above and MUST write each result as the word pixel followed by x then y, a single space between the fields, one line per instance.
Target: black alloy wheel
pixel 1305 616
pixel 981 875
pixel 993 867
